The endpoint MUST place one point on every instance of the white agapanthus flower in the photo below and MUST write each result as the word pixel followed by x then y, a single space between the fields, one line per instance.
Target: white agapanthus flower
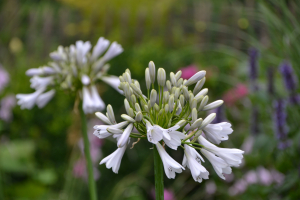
pixel 74 68
pixel 169 119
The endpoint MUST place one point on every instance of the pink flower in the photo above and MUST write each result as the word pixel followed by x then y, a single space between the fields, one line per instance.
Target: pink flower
pixel 7 104
pixel 189 71
pixel 79 170
pixel 235 94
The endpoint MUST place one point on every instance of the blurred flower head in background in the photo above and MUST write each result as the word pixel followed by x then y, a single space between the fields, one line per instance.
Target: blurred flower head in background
pixel 188 71
pixel 76 69
pixel 235 94
pixel 4 78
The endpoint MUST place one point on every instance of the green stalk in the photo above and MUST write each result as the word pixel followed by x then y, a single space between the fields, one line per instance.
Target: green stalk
pixel 159 175
pixel 89 164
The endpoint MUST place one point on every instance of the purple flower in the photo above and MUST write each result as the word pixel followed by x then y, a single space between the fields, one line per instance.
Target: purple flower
pixel 189 71
pixel 6 106
pixel 4 78
pixel 168 194
pixel 253 68
pixel 289 78
pixel 280 123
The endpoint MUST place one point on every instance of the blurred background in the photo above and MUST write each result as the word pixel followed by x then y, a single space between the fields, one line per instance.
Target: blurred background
pixel 250 50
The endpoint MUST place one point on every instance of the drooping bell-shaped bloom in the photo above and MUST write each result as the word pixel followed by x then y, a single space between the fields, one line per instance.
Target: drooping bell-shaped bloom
pixel 218 132
pixel 28 100
pixel 192 160
pixel 170 165
pixel 114 160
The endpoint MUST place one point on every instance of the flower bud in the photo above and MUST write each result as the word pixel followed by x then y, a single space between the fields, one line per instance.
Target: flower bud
pixel 128 71
pixel 137 107
pixel 208 120
pixel 102 117
pixel 167 109
pixel 152 71
pixel 193 104
pixel 213 105
pixel 148 79
pixel 178 75
pixel 166 96
pixel 153 97
pixel 203 103
pixel 179 82
pixel 186 93
pixel 136 89
pixel 127 105
pixel 199 85
pixel 137 84
pixel 122 85
pixel 171 102
pixel 202 92
pixel 113 130
pixel 139 116
pixel 127 118
pixel 173 79
pixel 199 98
pixel 176 94
pixel 182 101
pixel 125 136
pixel 85 80
pixel 127 77
pixel 173 90
pixel 146 108
pixel 130 112
pixel 181 123
pixel 127 91
pixel 110 114
pixel 196 124
pixel 195 78
pixel 121 79
pixel 191 97
pixel 156 107
pixel 194 115
pixel 168 84
pixel 161 77
pixel 161 112
pixel 149 104
pixel 133 99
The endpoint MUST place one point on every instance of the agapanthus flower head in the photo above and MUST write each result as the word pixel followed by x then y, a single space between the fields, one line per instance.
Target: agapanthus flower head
pixel 75 68
pixel 170 116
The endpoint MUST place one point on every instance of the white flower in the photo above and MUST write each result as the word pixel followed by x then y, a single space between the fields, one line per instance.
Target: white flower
pixel 125 136
pixel 44 98
pixel 39 82
pixel 170 165
pixel 220 166
pixel 59 54
pixel 233 157
pixel 100 47
pixel 195 78
pixel 171 137
pixel 114 50
pixel 101 130
pixel 40 71
pixel 82 48
pixel 28 100
pixel 91 100
pixel 218 132
pixel 113 81
pixel 192 159
pixel 114 160
pixel 154 133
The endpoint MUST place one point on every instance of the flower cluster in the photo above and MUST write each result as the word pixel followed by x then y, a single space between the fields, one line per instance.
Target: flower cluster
pixel 161 118
pixel 73 68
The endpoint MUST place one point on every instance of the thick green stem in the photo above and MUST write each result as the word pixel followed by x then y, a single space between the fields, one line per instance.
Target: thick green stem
pixel 159 175
pixel 89 164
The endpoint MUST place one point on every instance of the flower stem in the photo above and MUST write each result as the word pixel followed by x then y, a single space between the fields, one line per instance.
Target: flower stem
pixel 159 175
pixel 89 164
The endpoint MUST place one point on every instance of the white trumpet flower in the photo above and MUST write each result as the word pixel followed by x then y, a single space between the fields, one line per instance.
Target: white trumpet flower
pixel 40 82
pixel 44 98
pixel 154 133
pixel 170 165
pixel 28 100
pixel 233 157
pixel 114 160
pixel 219 165
pixel 102 132
pixel 218 132
pixel 192 160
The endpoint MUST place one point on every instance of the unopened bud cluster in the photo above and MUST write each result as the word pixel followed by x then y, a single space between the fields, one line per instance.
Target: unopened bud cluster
pixel 73 68
pixel 170 115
